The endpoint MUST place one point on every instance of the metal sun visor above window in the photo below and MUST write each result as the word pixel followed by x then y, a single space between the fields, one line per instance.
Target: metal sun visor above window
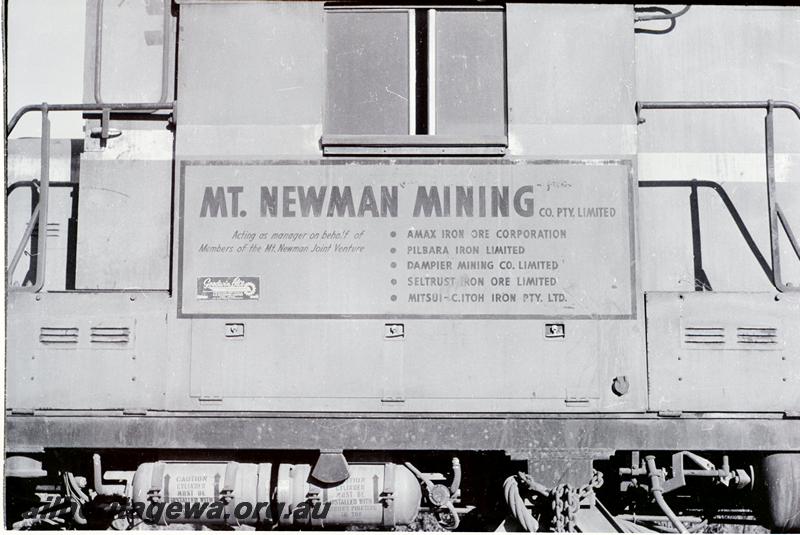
pixel 415 80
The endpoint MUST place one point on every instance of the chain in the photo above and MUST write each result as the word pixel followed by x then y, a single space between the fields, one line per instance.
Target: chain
pixel 594 483
pixel 563 517
pixel 567 501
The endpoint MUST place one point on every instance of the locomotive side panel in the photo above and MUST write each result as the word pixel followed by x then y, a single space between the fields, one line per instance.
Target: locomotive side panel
pixel 571 80
pixel 258 96
pixel 58 346
pixel 264 100
pixel 738 339
pixel 133 255
pixel 386 264
pixel 710 352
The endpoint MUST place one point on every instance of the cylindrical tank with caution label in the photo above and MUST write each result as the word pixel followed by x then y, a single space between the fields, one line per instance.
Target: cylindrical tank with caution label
pixel 211 493
pixel 380 495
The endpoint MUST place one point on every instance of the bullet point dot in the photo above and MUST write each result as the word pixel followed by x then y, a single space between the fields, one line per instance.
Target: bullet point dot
pixel 393 234
pixel 394 298
pixel 394 281
pixel 392 250
pixel 393 264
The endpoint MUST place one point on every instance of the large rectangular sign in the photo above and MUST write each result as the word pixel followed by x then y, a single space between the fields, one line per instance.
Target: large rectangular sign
pixel 416 238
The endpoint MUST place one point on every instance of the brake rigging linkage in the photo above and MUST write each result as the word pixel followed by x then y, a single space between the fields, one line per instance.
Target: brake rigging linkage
pixel 660 485
pixel 442 497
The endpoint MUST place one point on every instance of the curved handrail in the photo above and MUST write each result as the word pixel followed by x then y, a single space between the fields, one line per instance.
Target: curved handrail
pixel 119 107
pixel 663 14
pixel 715 105
pixel 726 200
pixel 776 216
pixel 34 184
pixel 669 15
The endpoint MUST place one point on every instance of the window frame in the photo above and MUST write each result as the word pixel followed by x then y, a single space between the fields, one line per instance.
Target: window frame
pixel 412 144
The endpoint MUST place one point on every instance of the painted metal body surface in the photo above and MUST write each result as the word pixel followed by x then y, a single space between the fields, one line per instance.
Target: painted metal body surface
pixel 224 275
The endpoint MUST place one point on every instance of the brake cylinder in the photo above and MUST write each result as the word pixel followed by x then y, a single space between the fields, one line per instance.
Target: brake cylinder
pixel 382 495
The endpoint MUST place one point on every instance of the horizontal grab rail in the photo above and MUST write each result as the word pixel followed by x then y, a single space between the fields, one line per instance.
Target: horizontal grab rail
pixel 716 105
pixel 119 107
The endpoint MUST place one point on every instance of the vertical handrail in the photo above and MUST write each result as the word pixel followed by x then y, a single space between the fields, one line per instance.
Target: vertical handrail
pixel 98 53
pixel 38 216
pixel 772 202
pixel 701 282
pixel 44 197
pixel 44 200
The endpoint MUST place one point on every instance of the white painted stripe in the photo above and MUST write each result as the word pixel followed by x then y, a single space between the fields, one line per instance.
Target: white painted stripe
pixel 723 167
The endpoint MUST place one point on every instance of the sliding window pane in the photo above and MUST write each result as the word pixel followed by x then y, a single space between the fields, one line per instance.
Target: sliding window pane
pixel 367 73
pixel 470 73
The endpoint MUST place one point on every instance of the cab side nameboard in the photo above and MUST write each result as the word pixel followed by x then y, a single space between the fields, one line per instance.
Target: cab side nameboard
pixel 428 239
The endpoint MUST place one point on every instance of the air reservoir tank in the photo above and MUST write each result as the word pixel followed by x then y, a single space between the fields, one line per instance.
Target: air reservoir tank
pixel 382 495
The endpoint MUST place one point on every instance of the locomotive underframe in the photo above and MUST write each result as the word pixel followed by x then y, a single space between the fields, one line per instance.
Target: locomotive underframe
pixel 562 447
